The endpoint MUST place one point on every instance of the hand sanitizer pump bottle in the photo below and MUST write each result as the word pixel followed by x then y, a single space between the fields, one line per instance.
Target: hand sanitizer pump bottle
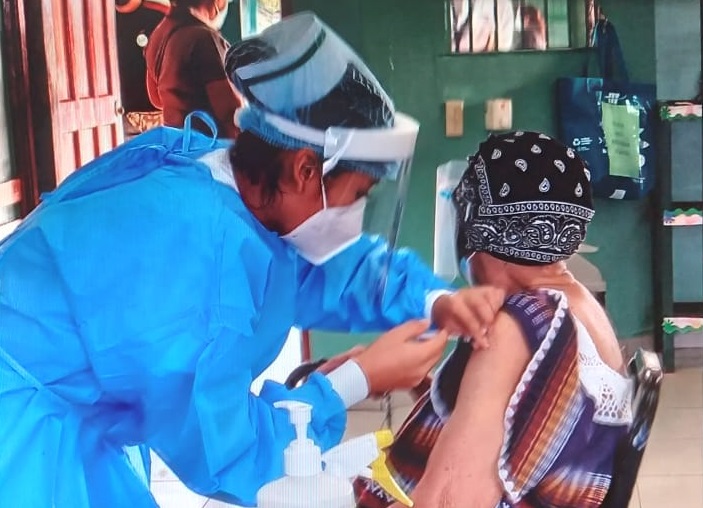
pixel 305 485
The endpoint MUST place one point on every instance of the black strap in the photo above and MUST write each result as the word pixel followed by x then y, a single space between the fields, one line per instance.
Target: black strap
pixel 299 62
pixel 608 53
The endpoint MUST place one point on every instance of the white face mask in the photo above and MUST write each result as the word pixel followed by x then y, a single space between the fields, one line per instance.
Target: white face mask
pixel 329 231
pixel 219 20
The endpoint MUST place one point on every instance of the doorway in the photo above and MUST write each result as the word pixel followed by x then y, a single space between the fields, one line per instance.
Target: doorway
pixel 63 88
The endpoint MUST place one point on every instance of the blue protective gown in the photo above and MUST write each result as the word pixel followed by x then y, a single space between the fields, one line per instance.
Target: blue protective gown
pixel 137 304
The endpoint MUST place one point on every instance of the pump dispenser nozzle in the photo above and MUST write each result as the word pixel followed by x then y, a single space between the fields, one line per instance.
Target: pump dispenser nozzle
pixel 302 457
pixel 300 416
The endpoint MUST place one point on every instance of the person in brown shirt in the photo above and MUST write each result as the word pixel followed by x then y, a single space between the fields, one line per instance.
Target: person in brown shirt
pixel 185 69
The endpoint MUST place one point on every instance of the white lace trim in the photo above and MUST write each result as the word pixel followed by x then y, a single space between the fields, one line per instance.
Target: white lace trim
pixel 610 391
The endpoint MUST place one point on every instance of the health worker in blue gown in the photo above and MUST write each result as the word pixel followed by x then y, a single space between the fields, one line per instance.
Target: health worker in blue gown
pixel 140 299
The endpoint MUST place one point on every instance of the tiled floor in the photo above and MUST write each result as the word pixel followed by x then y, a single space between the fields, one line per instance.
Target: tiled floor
pixel 671 474
pixel 672 470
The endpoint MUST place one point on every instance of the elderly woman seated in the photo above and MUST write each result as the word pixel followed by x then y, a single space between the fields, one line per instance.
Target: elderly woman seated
pixel 533 420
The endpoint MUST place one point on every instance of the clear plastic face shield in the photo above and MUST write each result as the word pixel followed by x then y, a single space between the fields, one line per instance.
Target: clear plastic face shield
pixel 306 88
pixel 391 149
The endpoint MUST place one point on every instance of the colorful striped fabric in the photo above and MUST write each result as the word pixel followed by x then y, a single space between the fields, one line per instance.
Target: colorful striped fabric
pixel 554 453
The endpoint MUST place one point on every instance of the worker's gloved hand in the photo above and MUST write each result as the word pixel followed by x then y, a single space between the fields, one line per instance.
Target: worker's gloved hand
pixel 397 360
pixel 469 312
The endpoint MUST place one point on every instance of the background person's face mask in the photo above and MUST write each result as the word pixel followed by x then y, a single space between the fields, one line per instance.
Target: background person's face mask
pixel 219 20
pixel 329 231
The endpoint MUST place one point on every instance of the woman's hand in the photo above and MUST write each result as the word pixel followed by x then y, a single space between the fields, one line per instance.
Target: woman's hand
pixel 469 312
pixel 398 360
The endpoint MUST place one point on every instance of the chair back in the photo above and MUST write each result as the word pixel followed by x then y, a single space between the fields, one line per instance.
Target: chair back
pixel 646 371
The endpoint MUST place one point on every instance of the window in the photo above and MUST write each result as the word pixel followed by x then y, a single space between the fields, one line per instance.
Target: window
pixel 257 15
pixel 479 26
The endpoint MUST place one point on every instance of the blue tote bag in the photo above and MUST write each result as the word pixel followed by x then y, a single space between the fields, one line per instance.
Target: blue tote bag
pixel 610 122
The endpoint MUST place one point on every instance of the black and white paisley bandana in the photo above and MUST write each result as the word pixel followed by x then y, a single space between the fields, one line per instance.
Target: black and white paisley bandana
pixel 525 198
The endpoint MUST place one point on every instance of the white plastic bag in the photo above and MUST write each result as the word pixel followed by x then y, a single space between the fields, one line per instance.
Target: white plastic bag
pixel 445 261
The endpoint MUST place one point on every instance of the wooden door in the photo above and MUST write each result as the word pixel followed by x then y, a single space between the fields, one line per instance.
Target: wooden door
pixel 77 78
pixel 18 189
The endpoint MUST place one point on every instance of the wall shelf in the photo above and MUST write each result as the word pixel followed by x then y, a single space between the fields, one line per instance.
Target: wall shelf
pixel 683 309
pixel 678 236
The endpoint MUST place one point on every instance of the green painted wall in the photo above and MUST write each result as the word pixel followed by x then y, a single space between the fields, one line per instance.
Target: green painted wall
pixel 678 45
pixel 232 29
pixel 405 43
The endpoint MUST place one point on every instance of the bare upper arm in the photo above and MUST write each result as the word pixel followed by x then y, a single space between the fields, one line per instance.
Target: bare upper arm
pixel 463 465
pixel 487 385
pixel 492 374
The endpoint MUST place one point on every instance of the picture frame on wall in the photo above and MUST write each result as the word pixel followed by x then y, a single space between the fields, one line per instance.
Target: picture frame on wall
pixel 257 15
pixel 483 26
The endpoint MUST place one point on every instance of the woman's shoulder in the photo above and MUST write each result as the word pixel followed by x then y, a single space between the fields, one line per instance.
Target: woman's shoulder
pixel 194 35
pixel 541 294
pixel 537 313
pixel 534 302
